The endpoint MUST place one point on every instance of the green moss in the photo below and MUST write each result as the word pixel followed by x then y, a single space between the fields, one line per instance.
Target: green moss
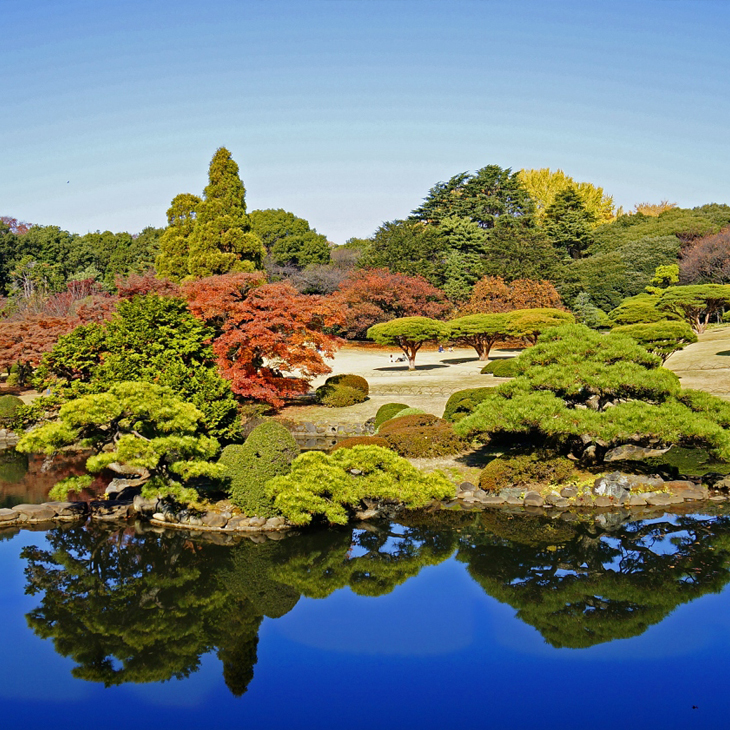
pixel 9 405
pixel 268 452
pixel 463 402
pixel 339 396
pixel 387 411
pixel 505 367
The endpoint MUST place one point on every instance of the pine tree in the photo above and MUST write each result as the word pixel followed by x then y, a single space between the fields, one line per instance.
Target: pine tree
pixel 222 240
pixel 568 224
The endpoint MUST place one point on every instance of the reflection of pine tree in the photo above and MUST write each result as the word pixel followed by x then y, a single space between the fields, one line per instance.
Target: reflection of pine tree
pixel 580 588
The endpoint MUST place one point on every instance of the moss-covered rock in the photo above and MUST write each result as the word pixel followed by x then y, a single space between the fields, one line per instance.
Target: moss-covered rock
pixel 267 452
pixel 9 405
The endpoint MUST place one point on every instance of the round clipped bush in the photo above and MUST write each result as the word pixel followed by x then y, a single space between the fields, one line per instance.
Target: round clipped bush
pixel 361 441
pixel 463 402
pixel 350 381
pixel 505 367
pixel 339 396
pixel 421 435
pixel 9 405
pixel 387 411
pixel 524 470
pixel 267 452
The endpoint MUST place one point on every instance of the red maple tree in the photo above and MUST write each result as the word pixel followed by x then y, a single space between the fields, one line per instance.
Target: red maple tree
pixel 371 296
pixel 270 340
pixel 146 283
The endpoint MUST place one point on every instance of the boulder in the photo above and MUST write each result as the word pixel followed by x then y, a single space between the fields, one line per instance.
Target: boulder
pixel 679 485
pixel 214 519
pixel 35 512
pixel 68 509
pixel 657 499
pixel 631 452
pixel 491 499
pixel 568 492
pixel 636 500
pixel 258 521
pixel 533 499
pixel 109 510
pixel 276 522
pixel 8 515
pixel 612 485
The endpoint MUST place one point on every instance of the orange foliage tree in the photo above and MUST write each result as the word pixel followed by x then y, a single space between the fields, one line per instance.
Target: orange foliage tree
pixel 270 340
pixel 34 325
pixel 491 294
pixel 372 296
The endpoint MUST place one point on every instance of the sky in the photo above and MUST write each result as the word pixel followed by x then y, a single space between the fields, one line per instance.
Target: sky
pixel 346 112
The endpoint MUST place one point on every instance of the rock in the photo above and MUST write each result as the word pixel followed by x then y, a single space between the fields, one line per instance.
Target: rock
pixel 514 501
pixel 239 522
pixel 159 516
pixel 613 485
pixel 605 502
pixel 467 487
pixel 257 521
pixel 214 519
pixel 692 495
pixel 367 514
pixel 718 498
pixel 140 504
pixel 560 502
pixel 8 515
pixel 109 510
pixel 35 512
pixel 465 494
pixel 513 493
pixel 679 485
pixel 68 509
pixel 723 483
pixel 129 471
pixel 636 500
pixel 675 499
pixel 642 482
pixel 533 499
pixel 631 452
pixel 276 522
pixel 656 499
pixel 568 492
pixel 491 499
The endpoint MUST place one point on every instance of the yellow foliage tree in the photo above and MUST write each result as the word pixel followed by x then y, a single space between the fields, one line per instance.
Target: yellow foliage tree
pixel 544 184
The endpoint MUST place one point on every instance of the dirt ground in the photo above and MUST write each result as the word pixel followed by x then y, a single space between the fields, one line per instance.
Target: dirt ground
pixel 436 377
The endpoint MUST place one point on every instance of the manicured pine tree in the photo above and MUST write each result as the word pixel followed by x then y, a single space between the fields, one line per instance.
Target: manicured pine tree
pixel 222 240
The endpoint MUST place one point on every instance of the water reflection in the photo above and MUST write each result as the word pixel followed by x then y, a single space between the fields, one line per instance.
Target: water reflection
pixel 137 605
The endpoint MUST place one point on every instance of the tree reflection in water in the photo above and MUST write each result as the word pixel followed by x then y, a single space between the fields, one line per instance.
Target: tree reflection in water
pixel 133 605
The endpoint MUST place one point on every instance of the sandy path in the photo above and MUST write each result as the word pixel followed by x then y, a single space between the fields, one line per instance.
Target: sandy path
pixel 706 364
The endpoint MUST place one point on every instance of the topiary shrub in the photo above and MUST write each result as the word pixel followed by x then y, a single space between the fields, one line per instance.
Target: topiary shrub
pixel 361 441
pixel 421 435
pixel 387 411
pixel 505 367
pixel 350 381
pixel 528 469
pixel 405 412
pixel 9 405
pixel 335 485
pixel 268 452
pixel 463 402
pixel 339 396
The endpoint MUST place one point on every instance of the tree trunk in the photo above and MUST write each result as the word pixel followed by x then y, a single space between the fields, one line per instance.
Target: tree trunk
pixel 412 362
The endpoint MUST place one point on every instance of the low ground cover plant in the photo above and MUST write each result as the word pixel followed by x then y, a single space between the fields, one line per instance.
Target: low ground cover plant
pixel 422 435
pixel 526 469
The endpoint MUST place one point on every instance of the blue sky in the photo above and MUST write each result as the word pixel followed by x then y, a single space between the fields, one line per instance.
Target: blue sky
pixel 346 112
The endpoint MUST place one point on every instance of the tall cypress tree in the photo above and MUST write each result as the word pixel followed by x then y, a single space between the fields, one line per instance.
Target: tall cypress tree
pixel 222 240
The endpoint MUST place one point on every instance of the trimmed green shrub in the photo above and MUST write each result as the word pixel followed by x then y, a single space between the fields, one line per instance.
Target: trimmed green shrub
pixel 660 338
pixel 350 381
pixel 339 396
pixel 361 441
pixel 387 411
pixel 335 485
pixel 463 402
pixel 505 367
pixel 421 435
pixel 9 405
pixel 267 453
pixel 528 469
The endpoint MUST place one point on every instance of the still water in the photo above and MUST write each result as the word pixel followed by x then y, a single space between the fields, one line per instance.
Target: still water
pixel 474 620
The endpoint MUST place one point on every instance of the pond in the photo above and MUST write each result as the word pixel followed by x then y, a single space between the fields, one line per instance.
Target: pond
pixel 472 620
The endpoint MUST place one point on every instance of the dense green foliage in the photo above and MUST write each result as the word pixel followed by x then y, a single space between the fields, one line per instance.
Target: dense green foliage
pixel 503 367
pixel 480 331
pixel 568 224
pixel 386 411
pixel 138 425
pixel 463 402
pixel 525 470
pixel 333 486
pixel 579 390
pixel 172 261
pixel 660 338
pixel 289 239
pixel 421 436
pixel 152 339
pixel 531 323
pixel 267 452
pixel 640 309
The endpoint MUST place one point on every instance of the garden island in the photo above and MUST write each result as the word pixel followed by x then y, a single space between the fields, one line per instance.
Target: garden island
pixel 214 419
